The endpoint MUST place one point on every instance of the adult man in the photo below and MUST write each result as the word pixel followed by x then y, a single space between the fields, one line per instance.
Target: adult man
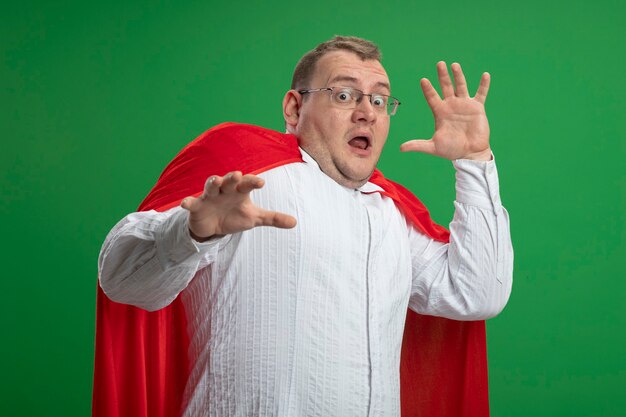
pixel 309 320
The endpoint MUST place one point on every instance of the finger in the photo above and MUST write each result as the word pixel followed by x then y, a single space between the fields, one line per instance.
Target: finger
pixel 419 145
pixel 212 186
pixel 459 80
pixel 231 180
pixel 250 182
pixel 447 89
pixel 276 219
pixel 430 94
pixel 483 88
pixel 189 203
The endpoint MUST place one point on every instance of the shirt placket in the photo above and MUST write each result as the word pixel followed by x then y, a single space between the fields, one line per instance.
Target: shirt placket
pixel 375 233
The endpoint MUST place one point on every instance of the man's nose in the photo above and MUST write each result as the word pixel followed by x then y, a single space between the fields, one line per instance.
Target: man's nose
pixel 364 111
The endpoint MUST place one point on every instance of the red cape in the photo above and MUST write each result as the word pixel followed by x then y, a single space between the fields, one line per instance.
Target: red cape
pixel 141 363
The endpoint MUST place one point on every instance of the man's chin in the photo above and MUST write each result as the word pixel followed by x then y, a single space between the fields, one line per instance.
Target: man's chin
pixel 353 179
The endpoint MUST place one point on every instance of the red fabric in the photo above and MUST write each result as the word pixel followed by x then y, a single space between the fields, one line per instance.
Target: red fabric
pixel 141 364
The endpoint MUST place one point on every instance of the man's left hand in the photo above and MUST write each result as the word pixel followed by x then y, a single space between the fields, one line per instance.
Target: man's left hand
pixel 461 126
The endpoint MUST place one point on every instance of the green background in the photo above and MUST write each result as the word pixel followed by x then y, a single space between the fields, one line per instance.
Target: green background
pixel 96 99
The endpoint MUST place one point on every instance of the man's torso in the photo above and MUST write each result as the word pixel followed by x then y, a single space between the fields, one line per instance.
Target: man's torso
pixel 306 321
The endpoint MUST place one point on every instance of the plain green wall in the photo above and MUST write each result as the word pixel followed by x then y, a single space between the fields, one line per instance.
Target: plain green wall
pixel 96 99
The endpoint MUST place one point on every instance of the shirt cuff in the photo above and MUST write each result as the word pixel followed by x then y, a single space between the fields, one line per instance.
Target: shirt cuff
pixel 477 183
pixel 174 244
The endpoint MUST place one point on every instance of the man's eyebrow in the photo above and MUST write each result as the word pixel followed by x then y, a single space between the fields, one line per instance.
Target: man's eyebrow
pixel 347 78
pixel 342 78
pixel 384 85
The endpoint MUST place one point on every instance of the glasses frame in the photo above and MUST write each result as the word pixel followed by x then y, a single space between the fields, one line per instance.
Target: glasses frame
pixel 390 99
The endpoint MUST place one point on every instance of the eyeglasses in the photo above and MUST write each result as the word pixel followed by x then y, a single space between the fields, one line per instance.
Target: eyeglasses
pixel 348 98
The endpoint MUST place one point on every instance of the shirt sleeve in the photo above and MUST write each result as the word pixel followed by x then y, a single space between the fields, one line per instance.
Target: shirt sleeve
pixel 149 257
pixel 469 278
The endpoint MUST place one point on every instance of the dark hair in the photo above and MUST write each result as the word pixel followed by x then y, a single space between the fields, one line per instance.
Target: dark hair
pixel 364 49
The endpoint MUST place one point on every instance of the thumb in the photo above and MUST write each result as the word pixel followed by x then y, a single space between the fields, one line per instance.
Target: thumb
pixel 277 219
pixel 421 145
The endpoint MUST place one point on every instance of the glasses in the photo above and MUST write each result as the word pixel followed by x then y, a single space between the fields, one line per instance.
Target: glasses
pixel 348 98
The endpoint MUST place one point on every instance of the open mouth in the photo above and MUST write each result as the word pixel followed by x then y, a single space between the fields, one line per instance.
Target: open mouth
pixel 360 142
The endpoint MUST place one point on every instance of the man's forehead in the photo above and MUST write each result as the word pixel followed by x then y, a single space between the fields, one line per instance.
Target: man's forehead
pixel 348 67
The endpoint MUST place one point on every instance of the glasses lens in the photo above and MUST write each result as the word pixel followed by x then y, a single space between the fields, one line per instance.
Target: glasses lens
pixel 392 106
pixel 344 96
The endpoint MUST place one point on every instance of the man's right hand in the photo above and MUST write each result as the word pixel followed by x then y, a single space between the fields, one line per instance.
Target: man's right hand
pixel 225 207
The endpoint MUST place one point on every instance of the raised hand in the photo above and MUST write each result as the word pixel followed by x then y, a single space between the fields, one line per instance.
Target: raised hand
pixel 461 126
pixel 225 207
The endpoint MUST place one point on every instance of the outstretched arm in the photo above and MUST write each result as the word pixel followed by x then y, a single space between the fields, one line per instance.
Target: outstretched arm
pixel 149 257
pixel 461 126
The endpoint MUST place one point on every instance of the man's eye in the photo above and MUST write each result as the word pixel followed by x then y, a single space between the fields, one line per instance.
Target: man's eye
pixel 379 101
pixel 344 96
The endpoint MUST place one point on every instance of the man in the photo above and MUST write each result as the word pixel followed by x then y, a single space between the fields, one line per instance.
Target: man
pixel 306 317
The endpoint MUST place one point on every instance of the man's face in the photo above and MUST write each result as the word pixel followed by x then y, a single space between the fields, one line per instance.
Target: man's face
pixel 346 143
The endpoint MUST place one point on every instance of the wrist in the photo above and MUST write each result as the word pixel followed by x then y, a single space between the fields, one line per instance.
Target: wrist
pixel 484 156
pixel 199 239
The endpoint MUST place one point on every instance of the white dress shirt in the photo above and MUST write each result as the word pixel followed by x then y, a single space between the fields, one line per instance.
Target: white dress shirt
pixel 309 321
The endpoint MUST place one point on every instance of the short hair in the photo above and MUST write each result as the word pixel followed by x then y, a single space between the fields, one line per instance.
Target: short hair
pixel 363 48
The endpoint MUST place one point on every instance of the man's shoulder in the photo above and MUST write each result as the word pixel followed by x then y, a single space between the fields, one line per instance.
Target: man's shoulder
pixel 223 148
pixel 232 133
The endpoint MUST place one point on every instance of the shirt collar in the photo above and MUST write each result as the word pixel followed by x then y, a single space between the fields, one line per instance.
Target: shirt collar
pixel 366 188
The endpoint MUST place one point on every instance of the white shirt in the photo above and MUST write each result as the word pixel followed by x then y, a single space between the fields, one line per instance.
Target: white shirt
pixel 309 321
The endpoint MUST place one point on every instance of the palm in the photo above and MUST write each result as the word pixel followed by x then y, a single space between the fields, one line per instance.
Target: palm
pixel 228 215
pixel 225 207
pixel 461 126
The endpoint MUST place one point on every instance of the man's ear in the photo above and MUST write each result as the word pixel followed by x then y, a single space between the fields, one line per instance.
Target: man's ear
pixel 291 110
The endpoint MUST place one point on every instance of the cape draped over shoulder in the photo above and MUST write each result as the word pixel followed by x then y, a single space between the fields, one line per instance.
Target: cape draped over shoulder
pixel 141 358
